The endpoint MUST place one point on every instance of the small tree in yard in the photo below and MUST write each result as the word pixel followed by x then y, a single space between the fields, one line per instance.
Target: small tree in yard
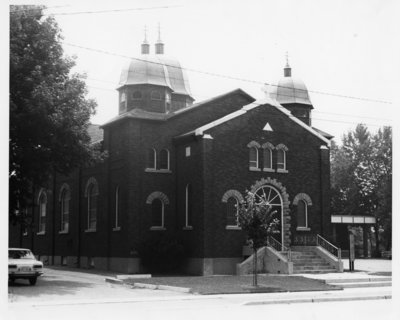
pixel 258 221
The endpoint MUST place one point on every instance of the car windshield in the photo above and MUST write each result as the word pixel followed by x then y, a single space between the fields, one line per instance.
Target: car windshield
pixel 20 254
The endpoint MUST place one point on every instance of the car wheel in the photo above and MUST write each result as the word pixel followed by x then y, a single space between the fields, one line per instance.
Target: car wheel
pixel 32 281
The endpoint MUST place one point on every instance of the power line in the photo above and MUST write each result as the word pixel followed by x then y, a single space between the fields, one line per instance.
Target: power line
pixel 289 116
pixel 95 12
pixel 223 76
pixel 207 97
pixel 19 9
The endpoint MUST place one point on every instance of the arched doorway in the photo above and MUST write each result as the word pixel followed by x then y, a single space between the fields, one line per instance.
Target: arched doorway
pixel 273 193
pixel 270 196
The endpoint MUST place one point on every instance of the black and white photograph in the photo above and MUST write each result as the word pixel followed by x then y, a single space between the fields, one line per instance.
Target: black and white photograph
pixel 200 159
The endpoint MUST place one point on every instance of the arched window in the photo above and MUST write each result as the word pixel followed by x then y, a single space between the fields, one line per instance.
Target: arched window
pixel 122 97
pixel 117 208
pixel 281 150
pixel 42 212
pixel 267 158
pixel 65 197
pixel 157 213
pixel 155 95
pixel 157 200
pixel 302 214
pixel 91 193
pixel 253 158
pixel 164 159
pixel 232 207
pixel 151 159
pixel 281 159
pixel 188 206
pixel 136 95
pixel 254 163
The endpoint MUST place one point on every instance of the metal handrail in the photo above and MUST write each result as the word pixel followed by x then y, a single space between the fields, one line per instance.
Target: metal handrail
pixel 275 244
pixel 322 242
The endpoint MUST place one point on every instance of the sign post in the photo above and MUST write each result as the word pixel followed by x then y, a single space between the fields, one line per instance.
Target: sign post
pixel 351 250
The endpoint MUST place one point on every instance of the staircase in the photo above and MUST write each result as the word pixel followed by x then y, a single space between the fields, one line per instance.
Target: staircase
pixel 305 260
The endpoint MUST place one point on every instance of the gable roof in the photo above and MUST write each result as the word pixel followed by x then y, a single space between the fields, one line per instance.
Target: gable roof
pixel 258 103
pixel 142 114
pixel 95 133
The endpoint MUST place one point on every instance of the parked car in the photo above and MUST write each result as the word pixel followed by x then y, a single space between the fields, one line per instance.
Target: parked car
pixel 22 264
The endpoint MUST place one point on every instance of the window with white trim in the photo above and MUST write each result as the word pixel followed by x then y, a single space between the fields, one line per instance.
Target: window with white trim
pixel 267 155
pixel 253 158
pixel 188 206
pixel 122 97
pixel 64 202
pixel 281 159
pixel 91 193
pixel 164 159
pixel 42 212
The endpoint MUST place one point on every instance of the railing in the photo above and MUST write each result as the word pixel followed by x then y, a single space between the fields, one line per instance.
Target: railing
pixel 275 244
pixel 337 252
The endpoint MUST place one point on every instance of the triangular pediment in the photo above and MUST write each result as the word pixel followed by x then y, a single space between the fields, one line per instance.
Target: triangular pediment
pixel 267 127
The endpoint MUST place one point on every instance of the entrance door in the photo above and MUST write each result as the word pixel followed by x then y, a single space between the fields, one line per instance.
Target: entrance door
pixel 270 196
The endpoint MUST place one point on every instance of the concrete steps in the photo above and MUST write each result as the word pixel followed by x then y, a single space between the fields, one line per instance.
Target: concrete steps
pixel 305 260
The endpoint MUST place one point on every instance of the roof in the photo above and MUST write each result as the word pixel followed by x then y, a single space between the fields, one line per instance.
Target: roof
pixel 142 114
pixel 95 132
pixel 256 104
pixel 326 135
pixel 289 90
pixel 158 70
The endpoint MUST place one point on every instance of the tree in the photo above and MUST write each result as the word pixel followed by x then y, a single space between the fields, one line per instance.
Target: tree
pixel 257 220
pixel 362 178
pixel 49 111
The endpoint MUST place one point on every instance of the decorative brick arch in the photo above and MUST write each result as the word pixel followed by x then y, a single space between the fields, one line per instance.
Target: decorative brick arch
pixel 302 196
pixel 65 187
pixel 285 205
pixel 268 145
pixel 157 195
pixel 281 146
pixel 93 181
pixel 42 192
pixel 232 193
pixel 253 144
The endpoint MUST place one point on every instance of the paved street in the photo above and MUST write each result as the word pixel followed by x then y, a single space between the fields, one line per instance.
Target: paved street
pixel 67 293
pixel 64 286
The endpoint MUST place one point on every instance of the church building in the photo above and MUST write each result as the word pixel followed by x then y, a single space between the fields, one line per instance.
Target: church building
pixel 180 168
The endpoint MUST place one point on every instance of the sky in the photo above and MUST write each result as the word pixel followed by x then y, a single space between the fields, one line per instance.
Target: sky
pixel 344 51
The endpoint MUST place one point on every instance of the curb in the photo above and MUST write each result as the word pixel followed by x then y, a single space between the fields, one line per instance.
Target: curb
pixel 113 280
pixel 162 287
pixel 312 300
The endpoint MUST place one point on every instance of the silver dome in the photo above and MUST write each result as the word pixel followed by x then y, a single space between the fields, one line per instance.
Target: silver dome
pixel 158 70
pixel 289 90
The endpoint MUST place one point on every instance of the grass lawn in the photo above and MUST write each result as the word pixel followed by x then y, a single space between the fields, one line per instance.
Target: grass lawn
pixel 239 284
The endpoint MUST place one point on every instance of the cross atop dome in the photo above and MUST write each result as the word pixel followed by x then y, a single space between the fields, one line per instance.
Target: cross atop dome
pixel 145 44
pixel 287 71
pixel 159 43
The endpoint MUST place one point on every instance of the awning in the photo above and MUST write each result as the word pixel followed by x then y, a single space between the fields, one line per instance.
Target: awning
pixel 353 219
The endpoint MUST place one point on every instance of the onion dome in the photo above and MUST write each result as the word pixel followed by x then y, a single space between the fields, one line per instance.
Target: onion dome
pixel 157 70
pixel 289 90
